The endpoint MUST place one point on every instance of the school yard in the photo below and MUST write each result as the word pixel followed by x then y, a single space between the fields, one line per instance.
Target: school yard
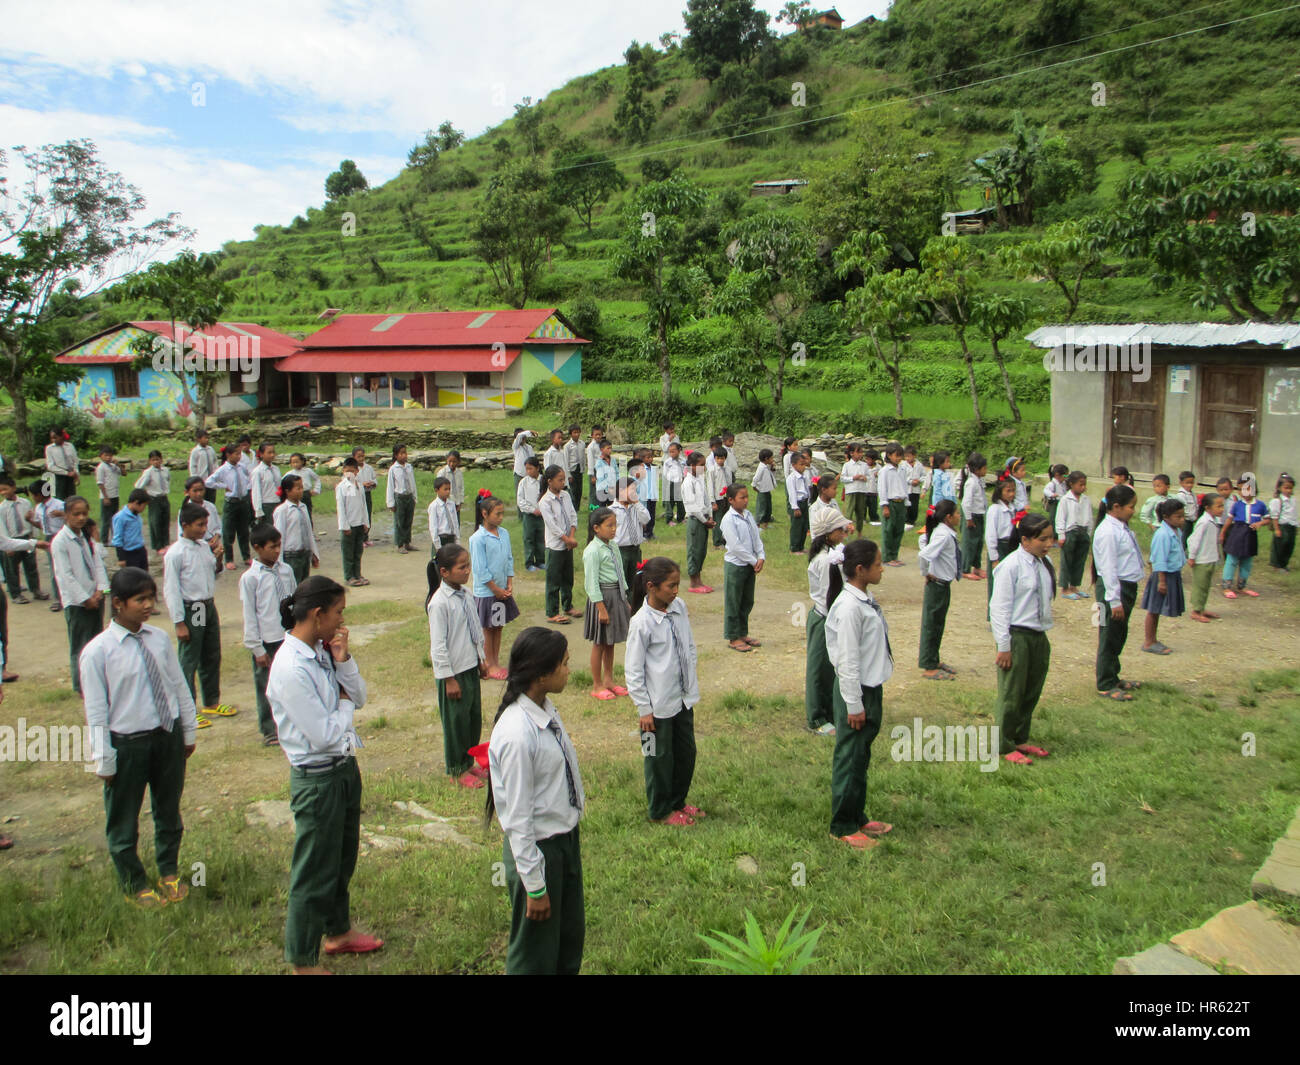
pixel 985 872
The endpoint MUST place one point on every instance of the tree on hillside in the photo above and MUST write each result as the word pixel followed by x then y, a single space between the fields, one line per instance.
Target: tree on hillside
pixel 1227 223
pixel 528 125
pixel 190 294
pixel 66 232
pixel 948 287
pixel 721 32
pixel 516 224
pixel 998 317
pixel 797 14
pixel 1032 170
pixel 654 254
pixel 449 137
pixel 583 178
pixel 346 180
pixel 635 115
pixel 1066 254
pixel 423 159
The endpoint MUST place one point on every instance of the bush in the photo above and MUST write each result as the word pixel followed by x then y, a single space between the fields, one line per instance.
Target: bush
pixel 42 417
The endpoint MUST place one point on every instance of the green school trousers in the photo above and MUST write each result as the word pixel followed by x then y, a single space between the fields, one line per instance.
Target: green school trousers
pixel 403 512
pixel 818 673
pixel 107 512
pixel 443 540
pixel 462 721
pixel 1074 553
pixel 201 653
pixel 1112 634
pixel 1020 686
pixel 697 546
pixel 535 539
pixel 559 581
pixel 326 809
pixel 299 562
pixel 267 517
pixel 738 599
pixel 799 528
pixel 155 759
pixel 236 521
pixel 265 719
pixel 857 509
pixel 1283 546
pixel 719 512
pixel 668 757
pixel 934 615
pixel 552 947
pixel 851 760
pixel 84 624
pixel 160 522
pixel 1202 579
pixel 891 528
pixel 353 544
pixel 972 543
pixel 24 561
pixel 763 508
pixel 631 557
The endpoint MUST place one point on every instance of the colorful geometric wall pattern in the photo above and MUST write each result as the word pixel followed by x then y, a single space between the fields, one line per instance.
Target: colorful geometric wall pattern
pixel 553 329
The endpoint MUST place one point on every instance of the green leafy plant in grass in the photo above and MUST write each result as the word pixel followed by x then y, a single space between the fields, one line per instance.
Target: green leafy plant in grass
pixel 789 953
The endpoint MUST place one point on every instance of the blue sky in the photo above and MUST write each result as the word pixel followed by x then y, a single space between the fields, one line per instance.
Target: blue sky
pixel 289 89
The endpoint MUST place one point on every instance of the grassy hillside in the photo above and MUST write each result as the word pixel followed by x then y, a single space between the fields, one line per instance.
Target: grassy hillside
pixel 977 60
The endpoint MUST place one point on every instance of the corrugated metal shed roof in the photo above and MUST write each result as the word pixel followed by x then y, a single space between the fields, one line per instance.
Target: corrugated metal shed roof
pixel 434 329
pixel 396 360
pixel 1175 334
pixel 271 344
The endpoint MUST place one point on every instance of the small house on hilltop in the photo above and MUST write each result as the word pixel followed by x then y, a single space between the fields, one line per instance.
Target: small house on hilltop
pixel 1216 399
pixel 776 188
pixel 471 360
pixel 831 18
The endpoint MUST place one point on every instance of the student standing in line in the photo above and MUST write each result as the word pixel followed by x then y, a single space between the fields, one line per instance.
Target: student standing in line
pixel 368 481
pixel 763 483
pixel 553 456
pixel 493 564
pixel 699 519
pixel 561 522
pixel 189 586
pixel 203 463
pixel 824 498
pixel 660 668
pixel 1118 475
pixel 401 498
pixel 824 555
pixel 82 578
pixel 12 544
pixel 1017 472
pixel 1000 538
pixel 246 459
pixel 742 563
pixel 456 478
pixel 607 615
pixel 353 513
pixel 606 477
pixel 857 641
pixel 527 498
pixel 458 652
pixel 48 518
pixel 535 788
pixel 1203 554
pixel 237 515
pixel 647 486
pixel 854 476
pixel 108 479
pixel 631 517
pixel 15 522
pixel 797 496
pixel 1117 567
pixel 127 534
pixel 941 481
pixel 974 505
pixel 729 446
pixel 1242 521
pixel 674 471
pixel 1164 592
pixel 1020 613
pixel 142 726
pixel 262 587
pixel 292 519
pixel 893 497
pixel 668 438
pixel 61 462
pixel 915 477
pixel 263 484
pixel 315 689
pixel 197 493
pixel 1282 512
pixel 575 463
pixel 1191 506
pixel 1074 532
pixel 522 449
pixel 593 457
pixel 1159 493
pixel 156 479
pixel 310 478
pixel 444 516
pixel 718 481
pixel 1055 490
pixel 940 565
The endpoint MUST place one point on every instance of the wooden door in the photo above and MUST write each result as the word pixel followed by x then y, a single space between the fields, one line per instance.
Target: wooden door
pixel 1228 420
pixel 1137 422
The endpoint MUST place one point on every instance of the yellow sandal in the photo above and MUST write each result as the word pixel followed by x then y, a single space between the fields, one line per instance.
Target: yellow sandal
pixel 201 722
pixel 221 710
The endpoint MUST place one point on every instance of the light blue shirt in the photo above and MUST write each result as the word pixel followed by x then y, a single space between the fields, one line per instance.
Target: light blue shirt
pixel 941 487
pixel 605 479
pixel 128 530
pixel 1167 554
pixel 740 532
pixel 491 559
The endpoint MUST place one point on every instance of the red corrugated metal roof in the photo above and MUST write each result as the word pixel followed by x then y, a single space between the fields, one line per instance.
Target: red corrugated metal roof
pixel 271 344
pixel 395 360
pixel 439 329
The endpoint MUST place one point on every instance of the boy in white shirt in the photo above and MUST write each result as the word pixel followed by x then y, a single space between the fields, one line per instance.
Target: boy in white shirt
pixel 456 478
pixel 368 481
pixel 261 588
pixel 108 477
pixel 674 473
pixel 522 449
pixel 444 519
pixel 527 497
pixel 763 483
pixel 350 502
pixel 189 584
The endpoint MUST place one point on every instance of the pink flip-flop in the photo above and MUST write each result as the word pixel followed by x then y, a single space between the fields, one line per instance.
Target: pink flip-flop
pixel 1016 758
pixel 1250 592
pixel 604 694
pixel 1029 748
pixel 497 674
pixel 876 829
pixel 361 944
pixel 618 689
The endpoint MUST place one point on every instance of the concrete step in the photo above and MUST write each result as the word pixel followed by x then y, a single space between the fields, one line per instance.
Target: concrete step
pixel 1249 938
pixel 1161 960
pixel 1279 876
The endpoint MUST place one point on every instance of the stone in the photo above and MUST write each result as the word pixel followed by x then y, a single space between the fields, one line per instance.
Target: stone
pixel 440 832
pixel 1250 938
pixel 746 864
pixel 1161 960
pixel 270 813
pixel 382 843
pixel 1279 876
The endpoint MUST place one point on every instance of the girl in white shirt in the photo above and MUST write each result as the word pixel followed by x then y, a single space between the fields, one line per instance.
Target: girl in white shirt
pixel 741 566
pixel 764 481
pixel 401 498
pixel 1282 512
pixel 458 653
pixel 939 558
pixel 825 554
pixel 674 470
pixel 310 478
pixel 857 641
pixel 1073 526
pixel 1117 567
pixel 535 788
pixel 660 669
pixel 970 490
pixel 1203 554
pixel 1000 532
pixel 699 520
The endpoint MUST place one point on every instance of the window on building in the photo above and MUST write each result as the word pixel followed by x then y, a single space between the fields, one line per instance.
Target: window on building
pixel 478 380
pixel 236 383
pixel 126 382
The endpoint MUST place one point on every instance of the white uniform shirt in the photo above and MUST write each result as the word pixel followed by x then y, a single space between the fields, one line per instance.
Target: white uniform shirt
pixel 893 484
pixel 1073 512
pixel 528 495
pixel 1022 596
pixel 1190 506
pixel 695 497
pixel 819 580
pixel 156 480
pixel 118 696
pixel 818 507
pixel 559 517
pixel 457 479
pixel 973 500
pixel 455 634
pixel 554 456
pixel 260 590
pixel 853 469
pixel 310 480
pixel 575 457
pixel 939 555
pixel 593 455
pixel 401 481
pixel 214 522
pixel 1116 554
pixel 78 566
pixel 443 520
pixel 523 451
pixel 14 519
pixel 108 475
pixel 188 576
pixel 744 542
pixel 999 526
pixel 266 479
pixel 659 663
pixel 630 523
pixel 857 644
pixel 764 479
pixel 717 480
pixel 232 478
pixel 527 758
pixel 203 461
pixel 61 459
pixel 1203 544
pixel 730 465
pixel 796 491
pixel 1054 489
pixel 312 718
pixel 665 440
pixel 366 477
pixel 294 524
pixel 1282 510
pixel 350 502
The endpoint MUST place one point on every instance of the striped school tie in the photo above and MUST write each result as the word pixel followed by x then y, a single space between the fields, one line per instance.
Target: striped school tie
pixel 157 686
pixel 885 624
pixel 574 799
pixel 679 656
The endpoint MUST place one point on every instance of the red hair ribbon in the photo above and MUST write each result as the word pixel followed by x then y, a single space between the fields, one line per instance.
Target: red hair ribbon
pixel 640 565
pixel 483 493
pixel 929 511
